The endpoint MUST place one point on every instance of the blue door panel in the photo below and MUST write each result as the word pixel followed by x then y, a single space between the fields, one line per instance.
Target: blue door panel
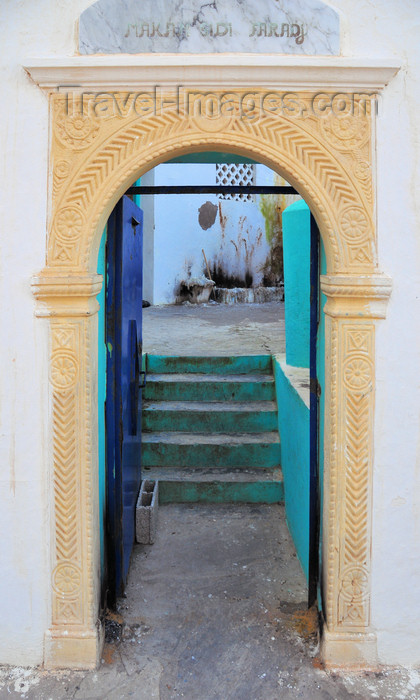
pixel 124 321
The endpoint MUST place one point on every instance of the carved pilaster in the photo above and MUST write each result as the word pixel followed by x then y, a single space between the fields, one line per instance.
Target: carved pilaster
pixel 73 638
pixel 352 305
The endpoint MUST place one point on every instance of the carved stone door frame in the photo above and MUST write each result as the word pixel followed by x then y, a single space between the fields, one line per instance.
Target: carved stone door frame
pixel 96 152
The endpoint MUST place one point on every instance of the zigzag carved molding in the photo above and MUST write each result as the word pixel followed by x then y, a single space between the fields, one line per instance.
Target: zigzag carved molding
pixel 298 147
pixel 357 463
pixel 65 486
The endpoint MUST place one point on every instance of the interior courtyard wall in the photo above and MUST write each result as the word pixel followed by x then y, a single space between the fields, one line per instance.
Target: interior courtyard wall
pixel 380 29
pixel 147 205
pixel 235 229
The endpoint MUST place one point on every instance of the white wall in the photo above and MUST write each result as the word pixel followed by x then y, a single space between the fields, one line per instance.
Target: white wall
pixel 147 204
pixel 179 239
pixel 385 28
pixel 396 495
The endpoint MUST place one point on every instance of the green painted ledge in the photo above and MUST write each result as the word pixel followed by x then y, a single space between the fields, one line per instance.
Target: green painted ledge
pixel 293 418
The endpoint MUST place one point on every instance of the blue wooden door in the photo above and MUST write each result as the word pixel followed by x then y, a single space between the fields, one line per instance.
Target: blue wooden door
pixel 123 398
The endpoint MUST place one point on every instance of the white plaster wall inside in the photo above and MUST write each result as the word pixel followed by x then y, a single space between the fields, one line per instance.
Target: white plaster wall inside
pixel 147 205
pixel 234 243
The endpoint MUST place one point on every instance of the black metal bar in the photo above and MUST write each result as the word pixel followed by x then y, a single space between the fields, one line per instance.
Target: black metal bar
pixel 212 189
pixel 314 514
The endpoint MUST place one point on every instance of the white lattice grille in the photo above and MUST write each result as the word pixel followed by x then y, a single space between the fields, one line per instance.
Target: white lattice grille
pixel 235 174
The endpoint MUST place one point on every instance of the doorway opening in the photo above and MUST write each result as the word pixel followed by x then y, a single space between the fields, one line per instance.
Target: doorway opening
pixel 93 162
pixel 165 353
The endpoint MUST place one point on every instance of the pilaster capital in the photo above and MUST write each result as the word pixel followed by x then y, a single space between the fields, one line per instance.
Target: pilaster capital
pixel 360 296
pixel 66 294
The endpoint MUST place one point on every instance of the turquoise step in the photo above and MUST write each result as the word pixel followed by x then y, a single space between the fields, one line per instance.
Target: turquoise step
pixel 205 450
pixel 210 429
pixel 217 485
pixel 203 387
pixel 250 364
pixel 214 417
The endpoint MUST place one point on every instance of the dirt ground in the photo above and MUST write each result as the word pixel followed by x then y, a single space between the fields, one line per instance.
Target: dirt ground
pixel 214 329
pixel 215 609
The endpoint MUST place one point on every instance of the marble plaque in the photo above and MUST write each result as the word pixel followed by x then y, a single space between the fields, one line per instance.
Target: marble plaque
pixel 180 26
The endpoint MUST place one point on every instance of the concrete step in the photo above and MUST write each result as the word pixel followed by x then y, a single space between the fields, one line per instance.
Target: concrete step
pixel 208 387
pixel 221 485
pixel 211 417
pixel 254 364
pixel 176 449
pixel 210 429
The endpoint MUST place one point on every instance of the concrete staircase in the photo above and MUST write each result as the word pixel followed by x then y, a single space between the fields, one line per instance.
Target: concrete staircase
pixel 210 431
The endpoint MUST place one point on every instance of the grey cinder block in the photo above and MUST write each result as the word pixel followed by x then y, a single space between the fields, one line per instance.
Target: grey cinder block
pixel 146 511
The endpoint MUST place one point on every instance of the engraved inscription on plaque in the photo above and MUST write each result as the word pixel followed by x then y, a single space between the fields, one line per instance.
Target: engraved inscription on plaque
pixel 174 26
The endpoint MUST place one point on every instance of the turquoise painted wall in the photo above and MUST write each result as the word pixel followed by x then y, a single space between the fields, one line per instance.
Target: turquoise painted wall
pixel 293 412
pixel 137 197
pixel 101 396
pixel 296 258
pixel 212 157
pixel 293 418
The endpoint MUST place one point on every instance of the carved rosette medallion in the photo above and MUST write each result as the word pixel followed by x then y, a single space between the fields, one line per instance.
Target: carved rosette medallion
pixel 362 169
pixel 63 370
pixel 358 373
pixel 355 584
pixel 67 579
pixel 356 231
pixel 68 226
pixel 345 133
pixel 354 225
pixel 61 172
pixel 76 130
pixel 354 592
